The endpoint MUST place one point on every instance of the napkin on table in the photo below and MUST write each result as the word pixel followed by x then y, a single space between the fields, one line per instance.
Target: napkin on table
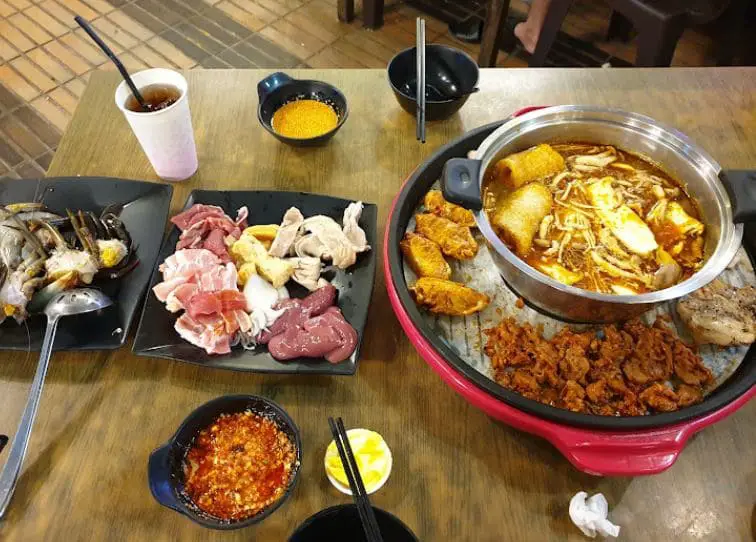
pixel 590 515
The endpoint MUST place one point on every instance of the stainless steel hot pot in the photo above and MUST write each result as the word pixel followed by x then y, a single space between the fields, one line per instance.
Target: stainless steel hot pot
pixel 725 199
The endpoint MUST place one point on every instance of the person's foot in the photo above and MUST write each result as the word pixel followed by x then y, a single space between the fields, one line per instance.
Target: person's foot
pixel 527 36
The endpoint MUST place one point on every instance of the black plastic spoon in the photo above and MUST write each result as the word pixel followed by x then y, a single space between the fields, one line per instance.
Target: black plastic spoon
pixel 111 55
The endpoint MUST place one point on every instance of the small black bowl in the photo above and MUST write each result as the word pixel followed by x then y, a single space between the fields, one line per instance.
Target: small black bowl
pixel 342 524
pixel 165 471
pixel 449 73
pixel 279 89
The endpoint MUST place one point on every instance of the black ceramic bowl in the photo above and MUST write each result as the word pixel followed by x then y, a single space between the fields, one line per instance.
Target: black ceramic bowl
pixel 342 524
pixel 279 89
pixel 165 471
pixel 448 72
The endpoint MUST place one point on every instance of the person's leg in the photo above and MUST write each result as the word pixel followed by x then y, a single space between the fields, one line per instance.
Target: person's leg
pixel 529 31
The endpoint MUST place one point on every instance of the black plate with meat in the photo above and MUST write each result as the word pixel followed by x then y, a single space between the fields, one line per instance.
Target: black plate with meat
pixel 156 336
pixel 144 214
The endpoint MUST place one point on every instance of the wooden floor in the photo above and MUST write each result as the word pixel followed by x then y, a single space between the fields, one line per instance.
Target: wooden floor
pixel 46 60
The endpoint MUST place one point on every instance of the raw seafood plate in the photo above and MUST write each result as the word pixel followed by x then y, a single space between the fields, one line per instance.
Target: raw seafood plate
pixel 144 211
pixel 158 336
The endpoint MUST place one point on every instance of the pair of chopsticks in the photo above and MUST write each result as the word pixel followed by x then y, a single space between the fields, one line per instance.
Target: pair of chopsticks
pixel 367 516
pixel 420 91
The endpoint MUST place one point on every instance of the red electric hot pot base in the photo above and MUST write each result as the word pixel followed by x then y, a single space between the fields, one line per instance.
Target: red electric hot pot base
pixel 601 452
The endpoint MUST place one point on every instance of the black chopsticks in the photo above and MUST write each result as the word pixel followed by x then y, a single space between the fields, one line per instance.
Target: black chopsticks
pixel 367 516
pixel 420 90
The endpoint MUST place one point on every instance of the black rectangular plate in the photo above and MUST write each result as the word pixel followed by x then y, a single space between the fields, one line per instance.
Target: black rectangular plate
pixel 157 338
pixel 144 215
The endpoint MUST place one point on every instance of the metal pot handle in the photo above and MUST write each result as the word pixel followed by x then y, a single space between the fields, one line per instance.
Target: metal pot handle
pixel 271 83
pixel 741 187
pixel 459 182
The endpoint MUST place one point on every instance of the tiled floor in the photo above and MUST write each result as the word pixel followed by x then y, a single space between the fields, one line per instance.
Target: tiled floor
pixel 46 60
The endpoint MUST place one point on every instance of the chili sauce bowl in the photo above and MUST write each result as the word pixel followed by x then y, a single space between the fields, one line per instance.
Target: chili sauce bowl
pixel 165 471
pixel 279 89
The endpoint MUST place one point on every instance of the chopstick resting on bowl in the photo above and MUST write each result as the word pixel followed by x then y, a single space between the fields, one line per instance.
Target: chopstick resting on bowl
pixel 367 516
pixel 420 89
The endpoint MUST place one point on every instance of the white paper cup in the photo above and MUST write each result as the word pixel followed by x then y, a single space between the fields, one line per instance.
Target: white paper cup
pixel 166 136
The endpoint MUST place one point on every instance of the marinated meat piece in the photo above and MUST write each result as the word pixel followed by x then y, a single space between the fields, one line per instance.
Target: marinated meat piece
pixel 511 344
pixel 689 368
pixel 455 241
pixel 599 372
pixel 659 397
pixel 424 257
pixel 435 203
pixel 572 396
pixel 287 233
pixel 688 395
pixel 651 358
pixel 446 297
pixel 615 345
pixel 720 314
pixel 599 392
pixel 524 383
pixel 574 365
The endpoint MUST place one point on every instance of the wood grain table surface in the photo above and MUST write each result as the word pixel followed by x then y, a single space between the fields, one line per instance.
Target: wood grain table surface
pixel 458 475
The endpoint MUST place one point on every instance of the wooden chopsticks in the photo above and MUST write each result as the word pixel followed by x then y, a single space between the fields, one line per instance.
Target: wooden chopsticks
pixel 367 516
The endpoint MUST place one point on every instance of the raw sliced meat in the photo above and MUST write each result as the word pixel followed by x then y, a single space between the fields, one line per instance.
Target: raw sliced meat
pixel 352 230
pixel 206 226
pixel 315 343
pixel 163 289
pixel 188 262
pixel 215 243
pixel 179 298
pixel 318 301
pixel 204 334
pixel 241 217
pixel 287 233
pixel 185 219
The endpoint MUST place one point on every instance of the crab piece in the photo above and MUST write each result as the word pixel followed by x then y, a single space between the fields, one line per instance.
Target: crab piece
pixel 112 252
pixel 83 233
pixel 62 262
pixel 25 207
pixel 42 297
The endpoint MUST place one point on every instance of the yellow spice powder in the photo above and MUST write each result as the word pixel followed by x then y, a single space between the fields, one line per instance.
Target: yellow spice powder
pixel 303 119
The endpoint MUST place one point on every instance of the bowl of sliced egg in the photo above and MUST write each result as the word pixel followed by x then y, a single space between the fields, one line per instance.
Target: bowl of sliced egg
pixel 373 458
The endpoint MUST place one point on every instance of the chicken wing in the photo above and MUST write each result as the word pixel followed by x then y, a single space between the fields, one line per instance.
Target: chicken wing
pixel 455 241
pixel 424 257
pixel 446 297
pixel 435 203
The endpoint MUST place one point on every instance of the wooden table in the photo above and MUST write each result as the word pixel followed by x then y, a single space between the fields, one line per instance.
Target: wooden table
pixel 458 475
